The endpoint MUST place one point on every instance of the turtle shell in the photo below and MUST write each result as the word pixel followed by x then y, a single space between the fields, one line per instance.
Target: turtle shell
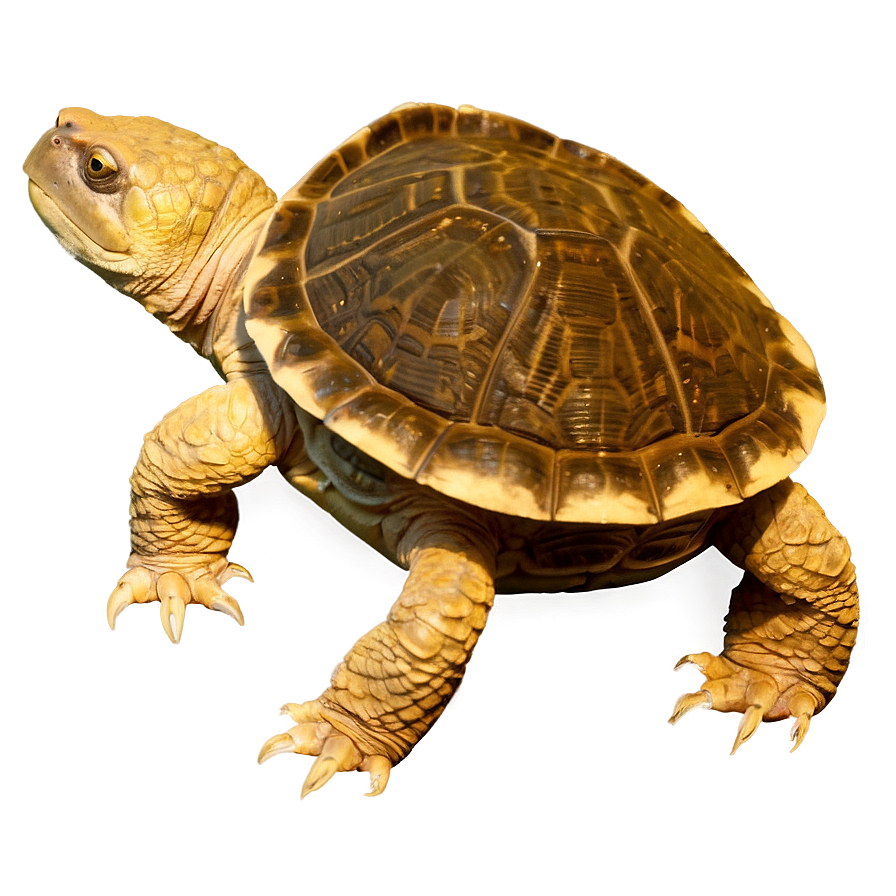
pixel 527 325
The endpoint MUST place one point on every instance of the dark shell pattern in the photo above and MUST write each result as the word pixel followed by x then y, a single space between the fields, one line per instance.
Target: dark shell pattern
pixel 526 324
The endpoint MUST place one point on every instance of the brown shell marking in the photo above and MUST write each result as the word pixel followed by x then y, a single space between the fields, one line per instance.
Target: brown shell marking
pixel 526 324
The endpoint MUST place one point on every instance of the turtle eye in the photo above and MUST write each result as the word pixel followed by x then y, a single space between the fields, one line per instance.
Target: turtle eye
pixel 100 169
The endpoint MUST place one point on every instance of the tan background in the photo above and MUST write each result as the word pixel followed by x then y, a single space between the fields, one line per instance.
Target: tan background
pixel 128 764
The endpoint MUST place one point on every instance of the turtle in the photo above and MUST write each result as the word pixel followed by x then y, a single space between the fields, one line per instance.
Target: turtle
pixel 506 361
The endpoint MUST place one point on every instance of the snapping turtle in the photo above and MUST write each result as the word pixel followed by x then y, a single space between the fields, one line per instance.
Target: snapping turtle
pixel 506 361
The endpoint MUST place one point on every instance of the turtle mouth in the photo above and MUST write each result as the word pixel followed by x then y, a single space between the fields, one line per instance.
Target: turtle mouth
pixel 73 239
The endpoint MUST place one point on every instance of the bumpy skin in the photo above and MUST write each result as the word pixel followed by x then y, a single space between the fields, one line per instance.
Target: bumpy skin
pixel 183 510
pixel 171 219
pixel 793 619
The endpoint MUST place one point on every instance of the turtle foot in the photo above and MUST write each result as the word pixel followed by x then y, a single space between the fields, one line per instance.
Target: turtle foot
pixel 176 581
pixel 760 696
pixel 335 751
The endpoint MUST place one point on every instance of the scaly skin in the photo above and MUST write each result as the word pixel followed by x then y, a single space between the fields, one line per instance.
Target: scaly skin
pixel 183 510
pixel 793 619
pixel 395 682
pixel 171 219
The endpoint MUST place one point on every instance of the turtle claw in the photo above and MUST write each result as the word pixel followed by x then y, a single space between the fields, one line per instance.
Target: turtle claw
pixel 307 738
pixel 121 598
pixel 234 569
pixel 800 729
pixel 274 746
pixel 687 702
pixel 801 706
pixel 379 768
pixel 687 660
pixel 747 728
pixel 134 587
pixel 338 754
pixel 173 611
pixel 207 591
pixel 730 687
pixel 321 771
pixel 334 751
pixel 229 607
pixel 174 595
pixel 227 604
pixel 175 585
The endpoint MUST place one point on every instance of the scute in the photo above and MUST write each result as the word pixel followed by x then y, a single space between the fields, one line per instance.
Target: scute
pixel 526 324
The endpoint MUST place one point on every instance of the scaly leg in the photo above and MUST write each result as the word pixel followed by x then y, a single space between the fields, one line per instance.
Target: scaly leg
pixel 394 683
pixel 183 510
pixel 792 621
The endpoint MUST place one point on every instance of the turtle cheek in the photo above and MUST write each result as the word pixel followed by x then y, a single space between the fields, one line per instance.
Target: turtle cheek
pixel 99 217
pixel 140 219
pixel 137 212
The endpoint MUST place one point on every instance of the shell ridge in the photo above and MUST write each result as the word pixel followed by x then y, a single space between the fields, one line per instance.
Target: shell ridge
pixel 624 255
pixel 651 485
pixel 734 477
pixel 498 352
pixel 399 177
pixel 324 269
pixel 424 462
pixel 554 500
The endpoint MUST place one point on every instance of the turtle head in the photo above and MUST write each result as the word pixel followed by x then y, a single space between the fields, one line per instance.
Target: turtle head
pixel 147 205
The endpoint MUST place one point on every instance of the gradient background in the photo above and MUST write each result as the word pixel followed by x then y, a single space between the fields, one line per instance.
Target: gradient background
pixel 128 764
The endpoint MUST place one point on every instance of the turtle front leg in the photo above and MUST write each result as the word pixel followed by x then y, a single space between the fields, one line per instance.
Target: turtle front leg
pixel 183 510
pixel 792 621
pixel 397 679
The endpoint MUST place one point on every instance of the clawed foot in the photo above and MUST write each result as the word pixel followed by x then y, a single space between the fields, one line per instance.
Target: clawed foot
pixel 733 688
pixel 176 582
pixel 335 752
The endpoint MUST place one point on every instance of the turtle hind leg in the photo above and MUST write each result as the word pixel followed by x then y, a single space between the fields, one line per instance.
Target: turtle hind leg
pixel 765 670
pixel 793 618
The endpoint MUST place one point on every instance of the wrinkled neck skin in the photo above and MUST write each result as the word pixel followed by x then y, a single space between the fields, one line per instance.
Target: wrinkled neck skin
pixel 201 301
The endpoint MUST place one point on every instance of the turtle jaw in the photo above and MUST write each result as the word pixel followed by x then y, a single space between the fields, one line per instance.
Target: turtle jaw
pixel 74 240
